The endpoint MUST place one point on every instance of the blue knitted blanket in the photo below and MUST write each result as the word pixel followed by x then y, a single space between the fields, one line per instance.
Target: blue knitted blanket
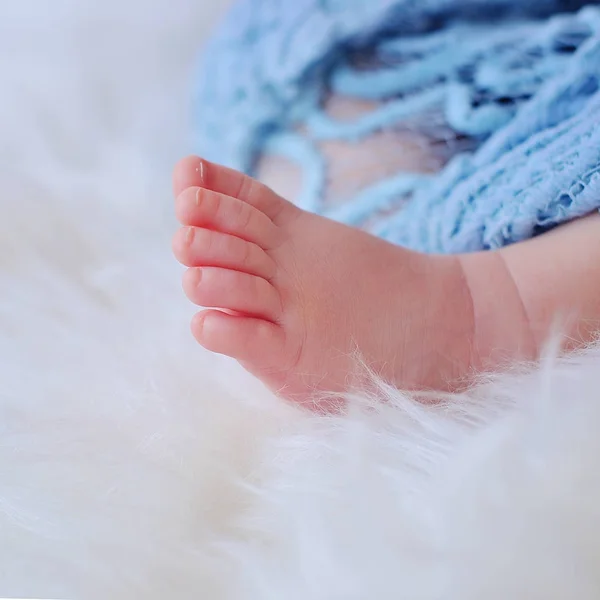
pixel 520 78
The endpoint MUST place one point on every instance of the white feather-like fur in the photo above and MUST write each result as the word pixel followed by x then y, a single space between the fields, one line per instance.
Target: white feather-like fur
pixel 135 465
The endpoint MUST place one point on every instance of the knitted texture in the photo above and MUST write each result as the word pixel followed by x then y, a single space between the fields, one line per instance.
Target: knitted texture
pixel 522 82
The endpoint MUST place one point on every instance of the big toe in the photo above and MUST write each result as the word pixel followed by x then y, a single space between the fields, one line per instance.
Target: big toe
pixel 188 172
pixel 197 172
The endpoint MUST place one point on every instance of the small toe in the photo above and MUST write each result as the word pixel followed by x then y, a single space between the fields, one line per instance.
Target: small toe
pixel 197 247
pixel 246 339
pixel 231 290
pixel 199 207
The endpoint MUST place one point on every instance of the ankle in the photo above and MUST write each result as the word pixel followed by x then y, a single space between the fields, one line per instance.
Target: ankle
pixel 445 309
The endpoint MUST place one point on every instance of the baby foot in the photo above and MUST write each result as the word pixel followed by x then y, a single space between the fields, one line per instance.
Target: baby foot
pixel 296 297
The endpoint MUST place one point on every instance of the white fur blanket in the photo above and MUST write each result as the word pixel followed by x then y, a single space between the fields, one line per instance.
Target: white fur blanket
pixel 134 465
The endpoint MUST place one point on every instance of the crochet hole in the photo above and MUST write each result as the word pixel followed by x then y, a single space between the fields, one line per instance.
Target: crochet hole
pixel 564 200
pixel 568 42
pixel 589 86
pixel 577 189
pixel 505 100
pixel 466 74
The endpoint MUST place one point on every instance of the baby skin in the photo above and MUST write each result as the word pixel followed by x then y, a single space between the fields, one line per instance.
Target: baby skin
pixel 297 298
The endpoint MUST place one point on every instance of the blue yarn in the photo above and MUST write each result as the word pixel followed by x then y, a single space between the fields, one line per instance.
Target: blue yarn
pixel 522 79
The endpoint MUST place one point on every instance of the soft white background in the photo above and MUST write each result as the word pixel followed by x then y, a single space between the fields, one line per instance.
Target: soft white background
pixel 134 465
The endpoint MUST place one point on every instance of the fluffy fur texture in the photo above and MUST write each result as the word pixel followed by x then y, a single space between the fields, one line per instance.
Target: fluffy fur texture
pixel 132 464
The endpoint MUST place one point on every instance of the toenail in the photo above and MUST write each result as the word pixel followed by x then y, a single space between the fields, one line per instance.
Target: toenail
pixel 189 235
pixel 199 325
pixel 198 276
pixel 200 170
